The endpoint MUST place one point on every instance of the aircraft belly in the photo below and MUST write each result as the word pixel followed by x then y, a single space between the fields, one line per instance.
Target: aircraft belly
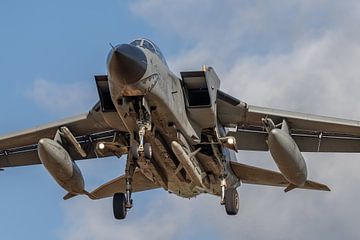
pixel 166 165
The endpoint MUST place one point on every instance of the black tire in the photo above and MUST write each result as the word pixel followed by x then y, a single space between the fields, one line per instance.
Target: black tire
pixel 119 206
pixel 147 150
pixel 231 201
pixel 134 151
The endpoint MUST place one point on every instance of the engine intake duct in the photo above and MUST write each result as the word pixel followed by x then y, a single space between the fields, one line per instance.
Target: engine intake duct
pixel 200 89
pixel 196 89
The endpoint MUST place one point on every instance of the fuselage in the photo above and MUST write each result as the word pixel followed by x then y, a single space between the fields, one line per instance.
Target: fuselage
pixel 137 71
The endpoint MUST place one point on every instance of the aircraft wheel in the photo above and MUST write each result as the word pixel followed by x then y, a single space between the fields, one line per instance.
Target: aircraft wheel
pixel 147 150
pixel 135 152
pixel 119 206
pixel 231 201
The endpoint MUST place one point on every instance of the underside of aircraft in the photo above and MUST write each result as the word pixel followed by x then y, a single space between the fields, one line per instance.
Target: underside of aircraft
pixel 178 133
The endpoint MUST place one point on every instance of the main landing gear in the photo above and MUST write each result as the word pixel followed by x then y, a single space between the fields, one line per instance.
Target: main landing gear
pixel 119 206
pixel 229 198
pixel 231 201
pixel 122 202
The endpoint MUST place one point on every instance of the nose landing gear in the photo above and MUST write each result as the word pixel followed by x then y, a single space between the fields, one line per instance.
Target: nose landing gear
pixel 122 202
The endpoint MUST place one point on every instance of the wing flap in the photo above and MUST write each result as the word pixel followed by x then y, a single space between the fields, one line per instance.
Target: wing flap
pixel 139 183
pixel 304 121
pixel 250 140
pixel 22 159
pixel 254 175
pixel 255 140
pixel 79 125
pixel 312 133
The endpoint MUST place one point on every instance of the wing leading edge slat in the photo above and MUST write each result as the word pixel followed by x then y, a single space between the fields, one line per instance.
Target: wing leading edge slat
pixel 20 149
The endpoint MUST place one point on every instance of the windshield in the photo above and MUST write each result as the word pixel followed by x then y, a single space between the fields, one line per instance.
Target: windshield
pixel 145 43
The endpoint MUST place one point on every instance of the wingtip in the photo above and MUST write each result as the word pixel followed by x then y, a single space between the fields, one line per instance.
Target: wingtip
pixel 323 187
pixel 71 195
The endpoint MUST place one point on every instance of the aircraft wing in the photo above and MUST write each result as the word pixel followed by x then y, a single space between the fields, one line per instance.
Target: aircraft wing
pixel 20 149
pixel 312 133
pixel 254 175
pixel 139 183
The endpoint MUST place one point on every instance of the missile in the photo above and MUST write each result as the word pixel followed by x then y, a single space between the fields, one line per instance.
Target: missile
pixel 59 164
pixel 190 165
pixel 287 156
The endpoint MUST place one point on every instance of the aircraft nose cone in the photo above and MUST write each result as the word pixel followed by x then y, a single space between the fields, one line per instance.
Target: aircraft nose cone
pixel 127 64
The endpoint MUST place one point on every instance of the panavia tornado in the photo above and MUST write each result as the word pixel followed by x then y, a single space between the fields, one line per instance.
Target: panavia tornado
pixel 178 133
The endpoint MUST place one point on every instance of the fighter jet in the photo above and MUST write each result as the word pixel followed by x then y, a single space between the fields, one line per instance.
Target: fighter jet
pixel 180 134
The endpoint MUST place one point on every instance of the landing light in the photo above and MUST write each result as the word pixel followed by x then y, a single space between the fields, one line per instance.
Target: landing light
pixel 230 141
pixel 204 68
pixel 101 146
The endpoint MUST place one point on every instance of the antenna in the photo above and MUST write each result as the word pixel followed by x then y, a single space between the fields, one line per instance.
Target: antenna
pixel 112 46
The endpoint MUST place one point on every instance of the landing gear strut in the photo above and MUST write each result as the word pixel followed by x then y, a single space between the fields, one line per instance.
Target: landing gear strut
pixel 129 172
pixel 144 125
pixel 144 147
pixel 122 202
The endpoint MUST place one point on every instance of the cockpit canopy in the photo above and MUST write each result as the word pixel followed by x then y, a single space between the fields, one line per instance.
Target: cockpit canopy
pixel 145 43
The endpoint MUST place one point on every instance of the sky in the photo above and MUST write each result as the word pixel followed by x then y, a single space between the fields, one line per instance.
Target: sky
pixel 295 55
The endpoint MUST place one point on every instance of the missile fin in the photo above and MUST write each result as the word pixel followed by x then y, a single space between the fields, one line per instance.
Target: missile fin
pixel 90 195
pixel 194 153
pixel 69 195
pixel 290 187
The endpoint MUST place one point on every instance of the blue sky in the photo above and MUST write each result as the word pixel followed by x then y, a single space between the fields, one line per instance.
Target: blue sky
pixel 296 55
pixel 64 43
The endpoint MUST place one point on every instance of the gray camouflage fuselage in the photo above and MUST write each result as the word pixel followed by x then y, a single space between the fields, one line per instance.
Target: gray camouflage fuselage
pixel 165 98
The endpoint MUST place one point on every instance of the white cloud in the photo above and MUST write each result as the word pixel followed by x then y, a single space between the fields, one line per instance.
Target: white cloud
pixel 297 55
pixel 321 76
pixel 160 219
pixel 62 97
